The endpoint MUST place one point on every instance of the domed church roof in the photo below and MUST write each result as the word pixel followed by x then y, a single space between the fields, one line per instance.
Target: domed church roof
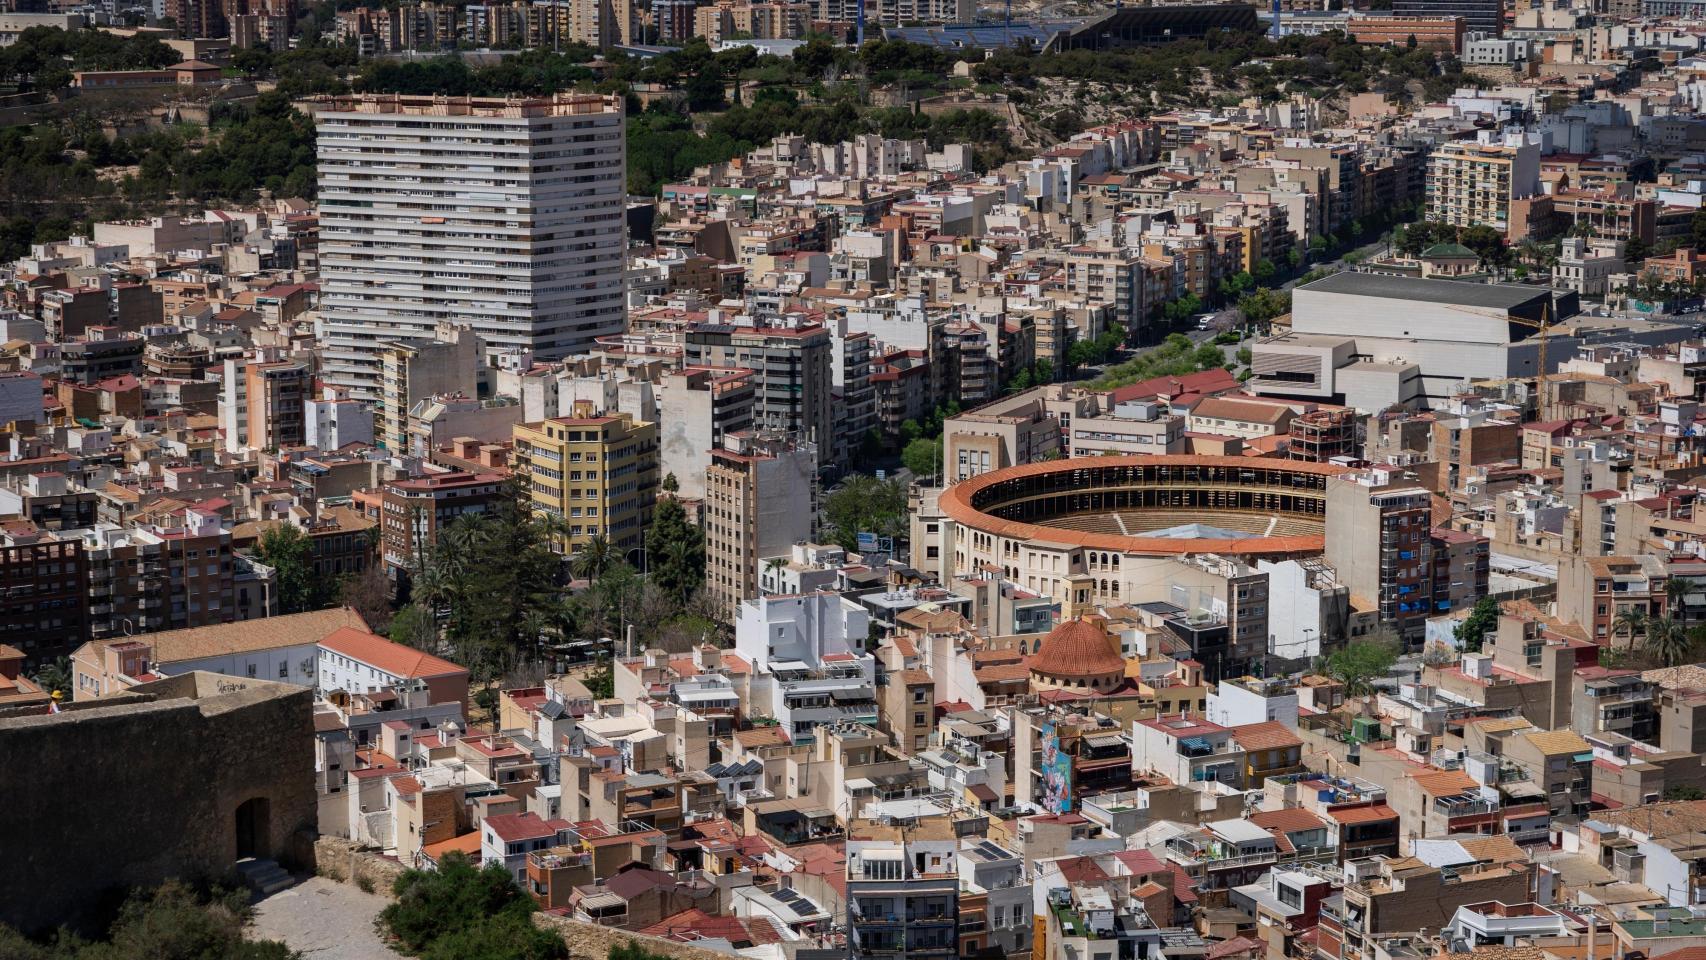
pixel 1077 648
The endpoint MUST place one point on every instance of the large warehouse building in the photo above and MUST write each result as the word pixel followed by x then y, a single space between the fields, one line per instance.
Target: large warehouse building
pixel 1372 341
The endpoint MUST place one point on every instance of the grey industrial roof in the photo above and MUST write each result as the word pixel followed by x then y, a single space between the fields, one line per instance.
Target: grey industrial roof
pixel 1497 295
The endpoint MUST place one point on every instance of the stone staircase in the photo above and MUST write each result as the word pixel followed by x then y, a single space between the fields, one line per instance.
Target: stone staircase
pixel 265 877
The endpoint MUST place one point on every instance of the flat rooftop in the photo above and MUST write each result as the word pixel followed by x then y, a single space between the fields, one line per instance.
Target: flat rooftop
pixel 1502 296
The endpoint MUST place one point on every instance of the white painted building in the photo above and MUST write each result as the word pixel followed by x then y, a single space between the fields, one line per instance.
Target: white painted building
pixel 330 423
pixel 809 658
pixel 1235 703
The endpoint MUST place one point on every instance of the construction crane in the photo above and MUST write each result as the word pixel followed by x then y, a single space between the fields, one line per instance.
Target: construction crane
pixel 1544 328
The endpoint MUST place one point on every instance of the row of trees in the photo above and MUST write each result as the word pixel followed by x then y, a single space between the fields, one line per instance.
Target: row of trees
pixel 55 176
pixel 1176 356
pixel 494 589
pixel 43 58
pixel 1487 244
pixel 1327 64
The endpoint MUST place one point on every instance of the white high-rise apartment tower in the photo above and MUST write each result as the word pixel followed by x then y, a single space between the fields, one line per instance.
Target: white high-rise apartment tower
pixel 504 215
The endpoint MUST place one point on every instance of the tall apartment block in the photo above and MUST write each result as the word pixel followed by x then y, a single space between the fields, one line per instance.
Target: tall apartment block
pixel 1394 569
pixel 597 474
pixel 277 394
pixel 792 369
pixel 417 369
pixel 504 216
pixel 758 504
pixel 902 901
pixel 1481 183
pixel 44 577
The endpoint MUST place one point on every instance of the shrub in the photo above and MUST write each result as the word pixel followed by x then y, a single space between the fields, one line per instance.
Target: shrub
pixel 459 911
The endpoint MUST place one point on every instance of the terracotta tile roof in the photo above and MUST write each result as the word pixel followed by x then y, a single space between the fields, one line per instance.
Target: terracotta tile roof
pixel 1291 820
pixel 1498 725
pixel 246 636
pixel 1443 783
pixel 1243 411
pixel 695 924
pixel 1493 849
pixel 382 654
pixel 1353 815
pixel 468 843
pixel 1557 742
pixel 1233 947
pixel 761 737
pixel 516 827
pixel 1081 870
pixel 1001 673
pixel 1184 889
pixel 1269 735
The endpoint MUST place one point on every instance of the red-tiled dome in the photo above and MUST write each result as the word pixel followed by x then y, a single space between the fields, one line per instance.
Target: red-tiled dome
pixel 1077 648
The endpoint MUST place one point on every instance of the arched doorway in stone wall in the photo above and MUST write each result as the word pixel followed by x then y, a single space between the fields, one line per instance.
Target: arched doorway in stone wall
pixel 254 828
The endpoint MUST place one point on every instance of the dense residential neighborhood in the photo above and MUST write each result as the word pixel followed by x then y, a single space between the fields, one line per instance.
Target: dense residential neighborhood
pixel 640 479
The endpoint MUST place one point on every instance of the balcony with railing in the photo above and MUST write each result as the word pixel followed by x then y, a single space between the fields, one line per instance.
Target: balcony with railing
pixel 1464 805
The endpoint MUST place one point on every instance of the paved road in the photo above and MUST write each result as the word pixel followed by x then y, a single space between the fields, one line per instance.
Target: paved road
pixel 323 920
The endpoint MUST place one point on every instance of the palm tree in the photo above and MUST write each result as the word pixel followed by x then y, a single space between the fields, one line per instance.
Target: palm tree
pixel 1630 621
pixel 774 564
pixel 1668 641
pixel 593 558
pixel 1677 591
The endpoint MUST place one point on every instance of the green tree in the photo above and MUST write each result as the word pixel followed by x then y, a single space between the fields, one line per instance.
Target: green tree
pixel 923 457
pixel 864 504
pixel 495 578
pixel 670 484
pixel 458 911
pixel 675 550
pixel 593 558
pixel 1482 620
pixel 1683 791
pixel 601 680
pixel 1677 592
pixel 1488 244
pixel 1359 663
pixel 413 627
pixel 1629 621
pixel 169 922
pixel 1667 641
pixel 298 587
pixel 55 675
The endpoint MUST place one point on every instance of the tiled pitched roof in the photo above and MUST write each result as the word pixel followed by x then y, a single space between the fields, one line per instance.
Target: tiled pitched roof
pixel 246 636
pixel 382 654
